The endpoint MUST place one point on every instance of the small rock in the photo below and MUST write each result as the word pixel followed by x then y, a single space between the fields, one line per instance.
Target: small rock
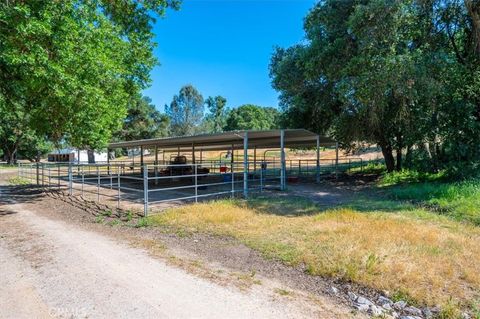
pixel 361 307
pixel 410 317
pixel 427 313
pixel 195 240
pixel 413 311
pixel 465 315
pixel 352 296
pixel 399 305
pixel 435 310
pixel 363 301
pixel 387 307
pixel 384 300
pixel 333 290
pixel 376 311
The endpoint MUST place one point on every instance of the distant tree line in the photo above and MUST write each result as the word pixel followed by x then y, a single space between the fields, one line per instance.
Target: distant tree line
pixel 189 113
pixel 402 74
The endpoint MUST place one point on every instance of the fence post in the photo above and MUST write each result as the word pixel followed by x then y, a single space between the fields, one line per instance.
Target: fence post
pixel 70 182
pixel 43 175
pixel 98 185
pixel 118 187
pixel 245 164
pixel 83 178
pixel 49 177
pixel 336 160
pixel 233 178
pixel 111 177
pixel 58 176
pixel 196 183
pixel 145 190
pixel 19 173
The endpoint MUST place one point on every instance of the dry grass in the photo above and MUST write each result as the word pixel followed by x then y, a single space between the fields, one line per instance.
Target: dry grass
pixel 430 259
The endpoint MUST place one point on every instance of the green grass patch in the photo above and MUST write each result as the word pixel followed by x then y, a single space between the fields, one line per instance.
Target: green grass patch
pixel 18 181
pixel 6 166
pixel 457 200
pixel 370 168
pixel 411 176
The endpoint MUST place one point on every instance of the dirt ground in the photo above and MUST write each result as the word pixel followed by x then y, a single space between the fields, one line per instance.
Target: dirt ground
pixel 57 261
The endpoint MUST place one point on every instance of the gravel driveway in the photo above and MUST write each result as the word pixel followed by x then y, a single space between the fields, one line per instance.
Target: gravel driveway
pixel 54 269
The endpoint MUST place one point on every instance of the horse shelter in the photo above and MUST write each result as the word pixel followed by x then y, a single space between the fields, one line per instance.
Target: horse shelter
pixel 191 168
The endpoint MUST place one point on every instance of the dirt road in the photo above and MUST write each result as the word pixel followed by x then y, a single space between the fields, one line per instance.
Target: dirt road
pixel 54 269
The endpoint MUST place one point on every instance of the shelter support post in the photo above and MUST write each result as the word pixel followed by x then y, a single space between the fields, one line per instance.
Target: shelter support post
pixel 193 153
pixel 133 157
pixel 317 173
pixel 255 160
pixel 245 165
pixel 282 161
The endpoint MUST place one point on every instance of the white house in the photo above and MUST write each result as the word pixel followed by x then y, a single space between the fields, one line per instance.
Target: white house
pixel 73 155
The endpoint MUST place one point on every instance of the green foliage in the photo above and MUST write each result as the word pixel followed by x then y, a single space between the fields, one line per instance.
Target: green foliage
pixel 143 121
pixel 370 168
pixel 411 176
pixel 185 111
pixel 252 117
pixel 401 74
pixel 68 68
pixel 217 117
pixel 18 181
pixel 143 222
pixel 17 139
pixel 457 200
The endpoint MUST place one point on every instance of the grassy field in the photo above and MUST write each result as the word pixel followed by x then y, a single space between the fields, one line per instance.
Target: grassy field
pixel 5 166
pixel 419 240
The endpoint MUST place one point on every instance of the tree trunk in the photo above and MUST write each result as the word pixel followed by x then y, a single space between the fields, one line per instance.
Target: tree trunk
pixel 408 157
pixel 399 152
pixel 473 9
pixel 91 157
pixel 11 156
pixel 387 152
pixel 399 159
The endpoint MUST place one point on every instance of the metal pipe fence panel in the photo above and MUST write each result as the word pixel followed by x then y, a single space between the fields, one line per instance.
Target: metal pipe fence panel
pixel 131 186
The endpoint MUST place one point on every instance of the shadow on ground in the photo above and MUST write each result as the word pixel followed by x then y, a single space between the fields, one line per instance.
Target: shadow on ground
pixel 11 194
pixel 312 199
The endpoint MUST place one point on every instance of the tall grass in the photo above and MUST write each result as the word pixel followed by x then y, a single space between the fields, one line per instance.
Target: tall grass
pixel 458 200
pixel 437 192
pixel 431 260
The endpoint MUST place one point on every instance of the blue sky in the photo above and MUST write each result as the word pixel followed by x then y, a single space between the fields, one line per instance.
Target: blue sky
pixel 223 47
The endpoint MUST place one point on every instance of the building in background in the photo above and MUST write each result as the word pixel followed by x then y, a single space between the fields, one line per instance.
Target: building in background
pixel 72 155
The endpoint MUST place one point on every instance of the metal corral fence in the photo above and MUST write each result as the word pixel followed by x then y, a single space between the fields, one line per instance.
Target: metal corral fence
pixel 132 186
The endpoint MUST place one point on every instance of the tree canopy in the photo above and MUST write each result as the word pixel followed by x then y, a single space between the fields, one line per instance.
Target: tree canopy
pixel 143 121
pixel 68 68
pixel 185 111
pixel 252 117
pixel 402 74
pixel 218 112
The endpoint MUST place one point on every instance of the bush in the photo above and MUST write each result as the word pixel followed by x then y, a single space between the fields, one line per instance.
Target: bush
pixel 411 176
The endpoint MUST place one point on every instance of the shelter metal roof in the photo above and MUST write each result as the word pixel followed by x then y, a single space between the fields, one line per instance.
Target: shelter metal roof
pixel 226 140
